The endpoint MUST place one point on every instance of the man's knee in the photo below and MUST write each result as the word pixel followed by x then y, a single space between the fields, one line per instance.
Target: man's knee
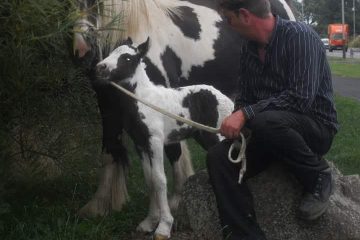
pixel 267 123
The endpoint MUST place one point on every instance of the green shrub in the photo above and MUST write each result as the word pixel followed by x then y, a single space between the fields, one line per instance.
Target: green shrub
pixel 355 43
pixel 48 110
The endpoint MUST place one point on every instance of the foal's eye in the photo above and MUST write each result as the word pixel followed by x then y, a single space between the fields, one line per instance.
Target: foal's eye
pixel 126 58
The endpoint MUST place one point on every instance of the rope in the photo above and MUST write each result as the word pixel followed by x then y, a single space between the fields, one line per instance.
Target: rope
pixel 240 147
pixel 236 145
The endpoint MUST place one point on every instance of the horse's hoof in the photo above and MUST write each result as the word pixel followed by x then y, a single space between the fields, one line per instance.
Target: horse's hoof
pixel 95 208
pixel 160 237
pixel 174 203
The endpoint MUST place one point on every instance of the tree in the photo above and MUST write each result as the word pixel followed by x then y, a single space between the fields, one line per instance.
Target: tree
pixel 320 13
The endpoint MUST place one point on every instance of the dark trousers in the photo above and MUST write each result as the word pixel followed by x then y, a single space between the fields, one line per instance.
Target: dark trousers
pixel 295 139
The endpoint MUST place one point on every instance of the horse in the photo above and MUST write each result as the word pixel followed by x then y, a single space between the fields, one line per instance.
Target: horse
pixel 191 44
pixel 151 131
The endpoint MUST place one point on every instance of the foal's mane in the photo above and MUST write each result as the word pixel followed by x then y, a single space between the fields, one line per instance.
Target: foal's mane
pixel 127 17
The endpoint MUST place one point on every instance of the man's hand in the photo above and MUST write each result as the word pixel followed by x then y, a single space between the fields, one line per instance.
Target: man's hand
pixel 231 125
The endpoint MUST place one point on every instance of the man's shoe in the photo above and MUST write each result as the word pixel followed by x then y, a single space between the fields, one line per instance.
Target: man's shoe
pixel 314 204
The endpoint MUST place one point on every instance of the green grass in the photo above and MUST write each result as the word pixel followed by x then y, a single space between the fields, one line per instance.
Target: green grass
pixel 345 67
pixel 345 151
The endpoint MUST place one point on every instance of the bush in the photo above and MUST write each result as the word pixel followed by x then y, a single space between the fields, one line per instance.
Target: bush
pixel 355 43
pixel 48 111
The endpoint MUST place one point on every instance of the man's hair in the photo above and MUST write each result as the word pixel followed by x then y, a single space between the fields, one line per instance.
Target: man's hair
pixel 260 8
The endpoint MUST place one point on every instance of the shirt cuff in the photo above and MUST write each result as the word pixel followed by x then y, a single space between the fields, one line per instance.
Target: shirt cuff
pixel 248 112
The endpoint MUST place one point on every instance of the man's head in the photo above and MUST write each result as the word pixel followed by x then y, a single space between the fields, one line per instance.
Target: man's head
pixel 245 16
pixel 260 8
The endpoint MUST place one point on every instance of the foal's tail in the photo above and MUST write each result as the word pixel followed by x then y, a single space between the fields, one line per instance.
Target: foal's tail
pixel 185 160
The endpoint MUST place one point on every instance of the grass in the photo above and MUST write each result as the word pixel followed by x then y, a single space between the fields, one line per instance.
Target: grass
pixel 345 151
pixel 345 67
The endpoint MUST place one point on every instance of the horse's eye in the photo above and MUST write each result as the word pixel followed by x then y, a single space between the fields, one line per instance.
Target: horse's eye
pixel 128 59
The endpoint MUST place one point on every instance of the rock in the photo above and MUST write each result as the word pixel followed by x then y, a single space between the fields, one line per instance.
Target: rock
pixel 277 195
pixel 197 209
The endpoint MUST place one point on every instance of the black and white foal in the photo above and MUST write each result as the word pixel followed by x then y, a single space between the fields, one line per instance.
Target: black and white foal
pixel 150 130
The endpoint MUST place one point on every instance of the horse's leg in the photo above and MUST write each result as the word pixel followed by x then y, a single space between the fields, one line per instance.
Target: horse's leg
pixel 100 204
pixel 111 192
pixel 179 157
pixel 153 217
pixel 119 193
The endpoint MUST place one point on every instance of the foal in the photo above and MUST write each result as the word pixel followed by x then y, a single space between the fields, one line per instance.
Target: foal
pixel 151 130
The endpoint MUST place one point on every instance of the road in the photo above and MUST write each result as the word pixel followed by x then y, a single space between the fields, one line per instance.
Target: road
pixel 338 53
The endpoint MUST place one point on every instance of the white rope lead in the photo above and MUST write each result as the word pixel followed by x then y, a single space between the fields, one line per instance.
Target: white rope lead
pixel 241 158
pixel 236 145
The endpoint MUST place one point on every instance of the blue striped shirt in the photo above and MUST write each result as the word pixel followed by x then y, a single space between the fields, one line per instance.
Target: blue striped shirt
pixel 295 75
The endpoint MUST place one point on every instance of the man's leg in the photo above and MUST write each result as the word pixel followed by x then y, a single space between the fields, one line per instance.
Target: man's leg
pixel 301 142
pixel 235 203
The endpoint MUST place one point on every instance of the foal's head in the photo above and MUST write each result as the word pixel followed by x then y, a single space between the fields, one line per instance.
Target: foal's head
pixel 122 63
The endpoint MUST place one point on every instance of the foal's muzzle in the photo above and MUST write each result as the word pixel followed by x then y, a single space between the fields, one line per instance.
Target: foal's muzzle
pixel 102 71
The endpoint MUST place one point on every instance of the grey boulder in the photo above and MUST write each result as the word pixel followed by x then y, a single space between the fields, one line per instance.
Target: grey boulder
pixel 276 197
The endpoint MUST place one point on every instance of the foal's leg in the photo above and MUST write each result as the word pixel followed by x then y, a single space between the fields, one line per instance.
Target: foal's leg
pixel 179 157
pixel 153 217
pixel 159 182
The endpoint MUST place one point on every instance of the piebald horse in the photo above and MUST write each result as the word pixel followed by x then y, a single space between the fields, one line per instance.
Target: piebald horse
pixel 191 44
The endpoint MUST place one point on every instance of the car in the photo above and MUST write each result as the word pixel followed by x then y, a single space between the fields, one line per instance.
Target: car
pixel 325 42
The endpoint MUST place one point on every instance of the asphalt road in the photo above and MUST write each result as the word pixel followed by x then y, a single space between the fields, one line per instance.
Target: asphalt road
pixel 338 53
pixel 348 87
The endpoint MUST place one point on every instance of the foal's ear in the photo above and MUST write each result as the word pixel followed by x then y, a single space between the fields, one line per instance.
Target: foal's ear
pixel 144 47
pixel 128 41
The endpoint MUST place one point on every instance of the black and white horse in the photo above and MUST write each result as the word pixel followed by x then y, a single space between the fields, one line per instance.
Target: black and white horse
pixel 191 44
pixel 151 131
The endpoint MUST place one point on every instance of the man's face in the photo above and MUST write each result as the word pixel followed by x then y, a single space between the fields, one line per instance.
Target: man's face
pixel 236 20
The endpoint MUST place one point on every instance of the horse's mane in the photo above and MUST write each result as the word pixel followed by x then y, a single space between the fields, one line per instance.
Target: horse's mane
pixel 126 17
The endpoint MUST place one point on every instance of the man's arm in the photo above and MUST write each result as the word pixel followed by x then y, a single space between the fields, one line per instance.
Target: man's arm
pixel 231 125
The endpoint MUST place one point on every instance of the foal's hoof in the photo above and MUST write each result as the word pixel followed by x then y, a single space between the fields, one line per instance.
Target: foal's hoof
pixel 160 237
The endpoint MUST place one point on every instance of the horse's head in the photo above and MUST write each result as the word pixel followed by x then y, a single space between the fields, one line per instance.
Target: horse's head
pixel 122 63
pixel 85 28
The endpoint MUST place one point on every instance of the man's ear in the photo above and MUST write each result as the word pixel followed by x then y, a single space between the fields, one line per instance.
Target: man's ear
pixel 244 15
pixel 144 47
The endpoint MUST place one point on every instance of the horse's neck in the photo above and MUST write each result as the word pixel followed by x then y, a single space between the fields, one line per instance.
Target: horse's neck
pixel 133 19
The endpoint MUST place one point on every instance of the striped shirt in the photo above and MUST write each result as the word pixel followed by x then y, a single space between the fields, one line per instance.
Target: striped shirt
pixel 295 75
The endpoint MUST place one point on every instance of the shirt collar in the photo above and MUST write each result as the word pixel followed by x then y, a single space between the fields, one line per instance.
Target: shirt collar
pixel 278 23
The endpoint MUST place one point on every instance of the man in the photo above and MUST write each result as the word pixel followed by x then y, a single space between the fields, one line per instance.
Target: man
pixel 286 100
